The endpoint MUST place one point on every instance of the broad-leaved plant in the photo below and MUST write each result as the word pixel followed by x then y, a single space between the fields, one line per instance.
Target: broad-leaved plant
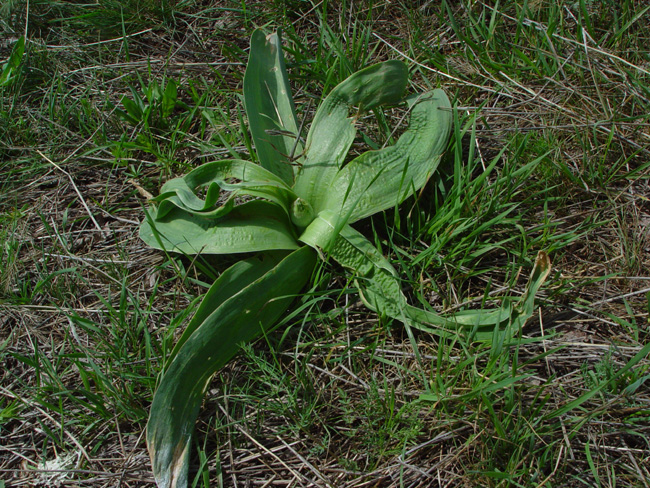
pixel 295 211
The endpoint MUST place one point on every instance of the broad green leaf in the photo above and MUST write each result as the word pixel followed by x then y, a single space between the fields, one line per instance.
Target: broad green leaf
pixel 590 393
pixel 239 319
pixel 229 168
pixel 253 226
pixel 332 130
pixel 211 178
pixel 153 92
pixel 230 282
pixel 269 106
pixel 378 180
pixel 321 232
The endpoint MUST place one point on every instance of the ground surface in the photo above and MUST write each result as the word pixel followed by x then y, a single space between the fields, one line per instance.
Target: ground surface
pixel 557 97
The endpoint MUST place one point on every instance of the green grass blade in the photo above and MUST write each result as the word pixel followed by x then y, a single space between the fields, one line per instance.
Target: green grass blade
pixel 251 227
pixel 487 325
pixel 269 105
pixel 333 131
pixel 578 402
pixel 378 180
pixel 237 320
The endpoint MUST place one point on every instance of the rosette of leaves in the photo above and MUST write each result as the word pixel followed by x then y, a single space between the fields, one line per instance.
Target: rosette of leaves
pixel 296 211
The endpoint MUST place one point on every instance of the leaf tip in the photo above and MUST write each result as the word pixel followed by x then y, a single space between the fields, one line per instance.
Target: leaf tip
pixel 543 262
pixel 173 473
